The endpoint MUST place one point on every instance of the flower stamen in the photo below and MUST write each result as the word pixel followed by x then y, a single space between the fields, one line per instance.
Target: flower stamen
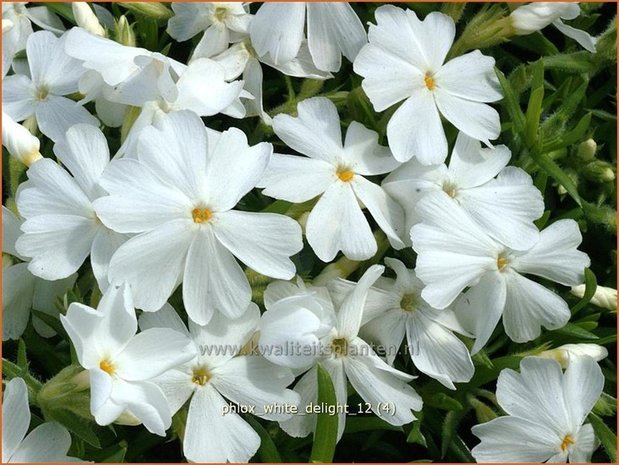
pixel 201 215
pixel 568 440
pixel 339 347
pixel 107 366
pixel 345 174
pixel 501 263
pixel 201 375
pixel 429 80
pixel 408 302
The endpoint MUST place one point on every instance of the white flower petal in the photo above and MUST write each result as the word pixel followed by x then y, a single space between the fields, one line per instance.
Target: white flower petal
pixel 425 140
pixel 104 244
pixel 48 442
pixel 277 29
pixel 251 380
pixel 58 244
pixel 388 330
pixel 529 306
pixel 502 440
pixel 166 317
pixel 17 290
pixel 56 115
pixel 437 352
pixel 177 386
pixel 506 208
pixel 84 152
pixel 315 132
pixel 385 211
pixel 50 65
pixel 584 39
pixel 18 97
pixel 470 77
pixel 213 281
pixel 140 200
pixel 215 40
pixel 475 119
pixel 296 179
pixel 234 168
pixel 15 416
pixel 146 402
pixel 582 386
pixel 555 256
pixel 162 249
pixel 351 233
pixel 361 149
pixel 302 66
pixel 472 166
pixel 300 426
pixel 189 20
pixel 334 29
pixel 230 438
pixel 263 241
pixel 585 443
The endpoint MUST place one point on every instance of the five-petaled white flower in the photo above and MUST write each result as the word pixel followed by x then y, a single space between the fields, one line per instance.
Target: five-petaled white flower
pixel 546 411
pixel 335 172
pixel 121 364
pixel 42 94
pixel 405 60
pixel 178 197
pixel 326 331
pixel 394 309
pixel 505 206
pixel 61 228
pixel 48 442
pixel 221 372
pixel 455 253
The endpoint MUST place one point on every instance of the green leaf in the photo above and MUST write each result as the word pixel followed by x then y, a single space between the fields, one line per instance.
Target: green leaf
pixel 590 287
pixel 534 108
pixel 573 330
pixel 22 359
pixel 358 424
pixel 79 426
pixel 268 450
pixel 555 171
pixel 606 436
pixel 568 138
pixel 606 405
pixel 511 103
pixel 325 437
pixel 443 401
pixel 579 62
pixel 63 9
pixel 52 322
pixel 416 436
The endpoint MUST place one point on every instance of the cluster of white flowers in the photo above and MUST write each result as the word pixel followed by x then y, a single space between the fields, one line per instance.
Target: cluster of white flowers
pixel 166 211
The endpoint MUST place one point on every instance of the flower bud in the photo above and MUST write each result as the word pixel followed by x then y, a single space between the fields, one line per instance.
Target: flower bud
pixel 537 15
pixel 7 25
pixel 586 150
pixel 599 171
pixel 604 297
pixel 124 32
pixel 155 10
pixel 86 18
pixel 19 142
pixel 563 354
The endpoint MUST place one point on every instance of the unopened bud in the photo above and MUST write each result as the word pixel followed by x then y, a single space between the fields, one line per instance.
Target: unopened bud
pixel 19 142
pixel 124 32
pixel 563 354
pixel 604 297
pixel 586 150
pixel 536 16
pixel 599 171
pixel 86 18
pixel 155 10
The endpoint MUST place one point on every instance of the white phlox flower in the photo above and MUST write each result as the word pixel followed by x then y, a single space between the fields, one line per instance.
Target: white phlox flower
pixel 21 19
pixel 217 376
pixel 21 290
pixel 178 197
pixel 333 30
pixel 336 172
pixel 336 345
pixel 48 442
pixel 405 61
pixel 501 199
pixel 536 16
pixel 61 228
pixel 42 94
pixel 455 253
pixel 394 309
pixel 19 141
pixel 221 22
pixel 546 410
pixel 121 364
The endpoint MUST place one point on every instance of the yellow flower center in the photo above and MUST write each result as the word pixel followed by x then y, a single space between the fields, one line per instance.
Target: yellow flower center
pixel 339 347
pixel 107 366
pixel 201 375
pixel 501 263
pixel 429 80
pixel 450 189
pixel 220 14
pixel 408 302
pixel 568 440
pixel 201 215
pixel 345 174
pixel 42 93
